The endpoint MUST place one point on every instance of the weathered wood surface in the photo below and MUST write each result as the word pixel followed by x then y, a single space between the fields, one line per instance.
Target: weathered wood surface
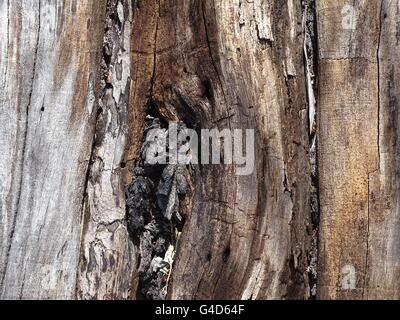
pixel 108 258
pixel 78 79
pixel 358 149
pixel 224 65
pixel 50 54
pixel 383 262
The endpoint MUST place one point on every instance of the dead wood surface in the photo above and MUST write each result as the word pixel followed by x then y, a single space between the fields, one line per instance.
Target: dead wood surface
pixel 80 81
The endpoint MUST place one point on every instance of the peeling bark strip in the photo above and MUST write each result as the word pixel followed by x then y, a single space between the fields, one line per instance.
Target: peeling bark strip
pixel 107 257
pixel 348 148
pixel 49 60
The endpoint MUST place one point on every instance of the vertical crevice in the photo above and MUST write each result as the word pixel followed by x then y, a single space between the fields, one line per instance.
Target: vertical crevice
pixel 212 59
pixel 104 68
pixel 153 76
pixel 379 77
pixel 311 72
pixel 367 248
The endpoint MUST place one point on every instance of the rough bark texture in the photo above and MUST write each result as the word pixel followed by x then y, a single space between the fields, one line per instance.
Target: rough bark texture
pixel 107 257
pixel 81 216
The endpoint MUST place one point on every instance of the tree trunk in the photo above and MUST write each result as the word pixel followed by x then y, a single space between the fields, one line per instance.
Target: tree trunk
pixel 82 216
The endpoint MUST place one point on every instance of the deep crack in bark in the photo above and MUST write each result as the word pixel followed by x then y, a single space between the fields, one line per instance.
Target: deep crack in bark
pixel 311 63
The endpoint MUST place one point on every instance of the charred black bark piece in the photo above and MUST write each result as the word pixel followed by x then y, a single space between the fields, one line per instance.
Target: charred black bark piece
pixel 139 202
pixel 153 217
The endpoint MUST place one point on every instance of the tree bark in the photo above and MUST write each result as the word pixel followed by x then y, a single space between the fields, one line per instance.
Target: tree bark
pixel 80 215
pixel 225 65
pixel 107 259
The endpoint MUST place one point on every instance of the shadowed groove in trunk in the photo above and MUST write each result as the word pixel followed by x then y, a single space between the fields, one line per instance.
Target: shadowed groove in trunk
pixel 311 64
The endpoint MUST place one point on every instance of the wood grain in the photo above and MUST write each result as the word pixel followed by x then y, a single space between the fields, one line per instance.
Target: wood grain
pixel 246 237
pixel 78 79
pixel 49 63
pixel 383 260
pixel 348 155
